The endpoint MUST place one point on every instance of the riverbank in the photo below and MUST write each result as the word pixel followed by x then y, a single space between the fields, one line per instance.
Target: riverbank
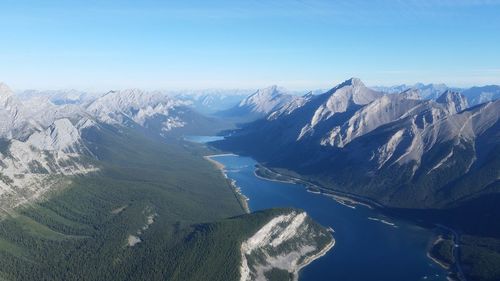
pixel 343 198
pixel 237 191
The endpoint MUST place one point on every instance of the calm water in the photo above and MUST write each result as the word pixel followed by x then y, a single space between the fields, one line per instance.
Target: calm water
pixel 203 139
pixel 365 249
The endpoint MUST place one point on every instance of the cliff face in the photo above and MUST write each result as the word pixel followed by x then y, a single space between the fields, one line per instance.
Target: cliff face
pixel 281 247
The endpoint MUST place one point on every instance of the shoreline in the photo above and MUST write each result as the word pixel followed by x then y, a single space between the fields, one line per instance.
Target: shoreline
pixel 338 196
pixel 269 179
pixel 343 199
pixel 218 165
pixel 237 190
pixel 312 258
pixel 244 200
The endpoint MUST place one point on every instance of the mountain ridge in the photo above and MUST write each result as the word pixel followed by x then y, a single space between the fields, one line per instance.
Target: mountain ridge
pixel 372 139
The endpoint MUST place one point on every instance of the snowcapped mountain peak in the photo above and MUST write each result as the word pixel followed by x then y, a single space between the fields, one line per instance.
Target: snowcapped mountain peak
pixel 453 101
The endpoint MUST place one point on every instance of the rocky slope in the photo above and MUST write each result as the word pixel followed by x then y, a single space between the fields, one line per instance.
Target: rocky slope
pixel 427 91
pixel 156 112
pixel 211 101
pixel 474 95
pixel 42 142
pixel 286 243
pixel 397 149
pixel 478 95
pixel 58 97
pixel 259 104
pixel 31 168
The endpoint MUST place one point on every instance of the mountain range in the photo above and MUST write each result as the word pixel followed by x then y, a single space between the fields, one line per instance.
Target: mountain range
pixel 41 140
pixel 474 95
pixel 259 104
pixel 75 165
pixel 397 149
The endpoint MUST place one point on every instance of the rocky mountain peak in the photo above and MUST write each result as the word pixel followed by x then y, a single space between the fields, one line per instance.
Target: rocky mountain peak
pixel 353 81
pixel 453 101
pixel 413 94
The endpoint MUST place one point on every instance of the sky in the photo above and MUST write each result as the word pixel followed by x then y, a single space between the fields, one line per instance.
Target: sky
pixel 116 44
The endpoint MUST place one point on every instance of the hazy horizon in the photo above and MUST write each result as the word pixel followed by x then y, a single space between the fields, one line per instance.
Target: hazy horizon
pixel 97 45
pixel 225 89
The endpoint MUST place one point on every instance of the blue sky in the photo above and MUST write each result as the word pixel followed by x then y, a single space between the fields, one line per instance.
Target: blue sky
pixel 105 44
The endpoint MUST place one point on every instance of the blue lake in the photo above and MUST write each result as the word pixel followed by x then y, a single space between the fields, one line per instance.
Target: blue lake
pixel 203 139
pixel 365 249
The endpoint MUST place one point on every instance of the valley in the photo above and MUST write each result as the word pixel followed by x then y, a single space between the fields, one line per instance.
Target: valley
pixel 149 207
pixel 359 239
pixel 432 161
pixel 126 180
pixel 345 140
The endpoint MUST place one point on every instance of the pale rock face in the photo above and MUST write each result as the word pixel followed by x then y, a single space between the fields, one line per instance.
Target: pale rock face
pixel 427 91
pixel 136 105
pixel 28 167
pixel 59 97
pixel 411 94
pixel 453 101
pixel 465 125
pixel 262 252
pixel 59 136
pixel 381 130
pixel 212 100
pixel 411 140
pixel 382 111
pixel 266 100
pixel 289 107
pixel 385 152
pixel 41 143
pixel 18 119
pixel 349 94
pixel 462 127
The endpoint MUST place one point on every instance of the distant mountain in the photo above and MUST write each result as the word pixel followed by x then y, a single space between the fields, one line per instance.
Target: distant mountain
pixel 474 95
pixel 58 97
pixel 427 91
pixel 38 142
pixel 155 111
pixel 41 142
pixel 133 104
pixel 477 95
pixel 19 118
pixel 211 101
pixel 397 149
pixel 259 104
